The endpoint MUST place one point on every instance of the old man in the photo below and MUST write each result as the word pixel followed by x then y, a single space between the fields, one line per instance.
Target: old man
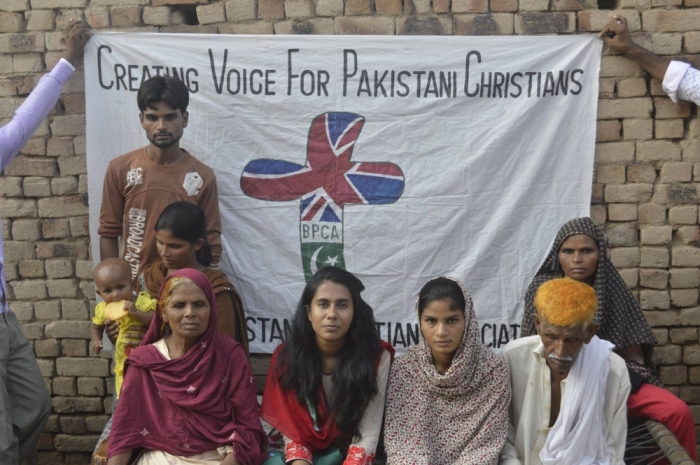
pixel 569 388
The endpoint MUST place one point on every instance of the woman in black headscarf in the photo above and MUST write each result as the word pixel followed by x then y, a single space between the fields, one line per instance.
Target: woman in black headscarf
pixel 580 252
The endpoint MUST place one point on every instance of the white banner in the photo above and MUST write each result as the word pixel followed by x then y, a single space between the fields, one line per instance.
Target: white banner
pixel 399 158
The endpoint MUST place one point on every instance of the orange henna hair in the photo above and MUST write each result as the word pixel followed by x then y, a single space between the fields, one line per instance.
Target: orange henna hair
pixel 566 302
pixel 168 288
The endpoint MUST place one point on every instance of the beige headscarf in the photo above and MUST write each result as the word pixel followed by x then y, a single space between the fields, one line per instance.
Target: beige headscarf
pixel 460 417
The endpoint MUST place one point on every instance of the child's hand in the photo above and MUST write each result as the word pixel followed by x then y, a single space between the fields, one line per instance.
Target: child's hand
pixel 130 307
pixel 96 346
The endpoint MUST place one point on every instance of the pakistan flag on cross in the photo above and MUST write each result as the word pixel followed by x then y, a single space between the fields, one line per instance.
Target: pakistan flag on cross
pixel 325 183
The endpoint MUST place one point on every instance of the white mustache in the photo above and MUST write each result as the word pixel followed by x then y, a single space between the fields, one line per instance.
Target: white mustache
pixel 560 359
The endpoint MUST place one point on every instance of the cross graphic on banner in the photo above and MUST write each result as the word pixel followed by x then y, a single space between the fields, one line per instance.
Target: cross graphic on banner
pixel 325 183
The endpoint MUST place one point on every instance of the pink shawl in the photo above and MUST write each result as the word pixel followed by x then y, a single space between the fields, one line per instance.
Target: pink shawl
pixel 460 417
pixel 193 404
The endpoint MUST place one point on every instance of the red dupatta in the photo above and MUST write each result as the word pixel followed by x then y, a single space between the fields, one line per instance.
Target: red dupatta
pixel 282 410
pixel 192 404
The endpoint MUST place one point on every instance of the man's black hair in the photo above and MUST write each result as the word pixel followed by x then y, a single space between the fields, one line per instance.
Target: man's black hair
pixel 163 89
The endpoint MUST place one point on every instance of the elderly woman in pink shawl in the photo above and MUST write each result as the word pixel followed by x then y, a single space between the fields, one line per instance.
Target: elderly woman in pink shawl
pixel 448 398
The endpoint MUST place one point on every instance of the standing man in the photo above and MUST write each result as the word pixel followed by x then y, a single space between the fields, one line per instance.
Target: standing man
pixel 24 401
pixel 570 389
pixel 140 184
pixel 679 80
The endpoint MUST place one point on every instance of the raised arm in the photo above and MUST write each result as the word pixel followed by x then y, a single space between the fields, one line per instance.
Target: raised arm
pixel 15 134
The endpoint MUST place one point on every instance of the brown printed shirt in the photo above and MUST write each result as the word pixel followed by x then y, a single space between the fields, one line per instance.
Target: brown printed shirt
pixel 136 191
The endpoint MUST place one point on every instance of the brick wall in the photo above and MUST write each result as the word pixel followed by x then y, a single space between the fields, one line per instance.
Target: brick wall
pixel 646 191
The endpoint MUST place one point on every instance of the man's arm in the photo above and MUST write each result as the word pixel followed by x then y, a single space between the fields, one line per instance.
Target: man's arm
pixel 28 117
pixel 209 202
pixel 109 247
pixel 616 36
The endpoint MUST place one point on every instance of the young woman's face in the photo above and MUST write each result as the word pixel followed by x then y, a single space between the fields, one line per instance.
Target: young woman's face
pixel 176 253
pixel 578 256
pixel 442 326
pixel 331 312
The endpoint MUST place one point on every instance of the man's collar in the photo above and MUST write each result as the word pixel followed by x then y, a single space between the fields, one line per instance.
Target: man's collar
pixel 539 350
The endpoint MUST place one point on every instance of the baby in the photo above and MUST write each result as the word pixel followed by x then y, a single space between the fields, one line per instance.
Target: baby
pixel 113 282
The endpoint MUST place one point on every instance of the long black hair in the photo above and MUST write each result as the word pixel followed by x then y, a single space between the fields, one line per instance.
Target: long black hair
pixel 188 222
pixel 441 289
pixel 299 366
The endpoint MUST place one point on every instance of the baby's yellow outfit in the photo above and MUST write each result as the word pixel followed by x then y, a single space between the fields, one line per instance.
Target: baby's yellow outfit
pixel 144 303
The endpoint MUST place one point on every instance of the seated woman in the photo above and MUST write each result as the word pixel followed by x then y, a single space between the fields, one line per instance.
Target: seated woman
pixel 326 387
pixel 580 252
pixel 181 240
pixel 188 395
pixel 448 398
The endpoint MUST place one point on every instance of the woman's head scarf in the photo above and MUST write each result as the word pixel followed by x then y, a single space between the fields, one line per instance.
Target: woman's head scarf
pixel 620 318
pixel 459 417
pixel 192 404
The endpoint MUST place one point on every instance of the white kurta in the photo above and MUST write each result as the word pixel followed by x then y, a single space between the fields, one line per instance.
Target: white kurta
pixel 530 408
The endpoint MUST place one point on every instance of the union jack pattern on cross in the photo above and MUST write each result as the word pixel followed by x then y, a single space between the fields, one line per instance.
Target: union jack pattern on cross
pixel 325 184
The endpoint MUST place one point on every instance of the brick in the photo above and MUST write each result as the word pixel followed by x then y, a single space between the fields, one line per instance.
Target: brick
pixel 654 235
pixel 414 25
pixel 31 268
pixel 685 256
pixel 691 42
pixel 622 235
pixel 25 230
pixel 687 234
pixel 36 187
pixel 669 193
pixel 598 214
pixel 94 3
pixel 497 5
pixel 654 257
pixel 40 20
pixel 622 212
pixel 77 249
pixel 35 146
pixel 595 20
pixel 62 287
pixel 691 355
pixel 15 5
pixel 11 22
pixel 631 88
pixel 60 207
pixel 666 44
pixel 608 130
pixel 68 125
pixel 630 276
pixel 209 14
pixel 49 310
pixel 72 425
pixel 614 152
pixel 22 43
pixel 59 268
pixel 661 335
pixel 95 424
pixel 77 405
pixel 24 311
pixel 657 150
pixel 625 193
pixel 469 6
pixel 654 299
pixel 96 386
pixel 694 128
pixel 665 108
pixel 653 278
pixel 690 316
pixel 75 310
pixel 83 269
pixel 159 15
pixel 567 5
pixel 544 23
pixel 11 187
pixel 58 146
pixel 29 289
pixel 694 375
pixel 31 166
pixel 671 20
pixel 55 229
pixel 534 5
pixel 11 274
pixel 47 348
pixel 88 289
pixel 64 186
pixel 673 375
pixel 625 257
pixel 606 88
pixel 79 227
pixel 272 9
pixel 667 355
pixel 364 25
pixel 619 66
pixel 625 108
pixel 690 150
pixel 668 128
pixel 28 63
pixel 90 366
pixel 72 166
pixel 684 335
pixel 684 297
pixel 388 7
pixel 74 348
pixel 33 331
pixel 685 214
pixel 47 367
pixel 684 278
pixel 97 17
pixel 19 250
pixel 308 26
pixel 637 129
pixel 489 24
